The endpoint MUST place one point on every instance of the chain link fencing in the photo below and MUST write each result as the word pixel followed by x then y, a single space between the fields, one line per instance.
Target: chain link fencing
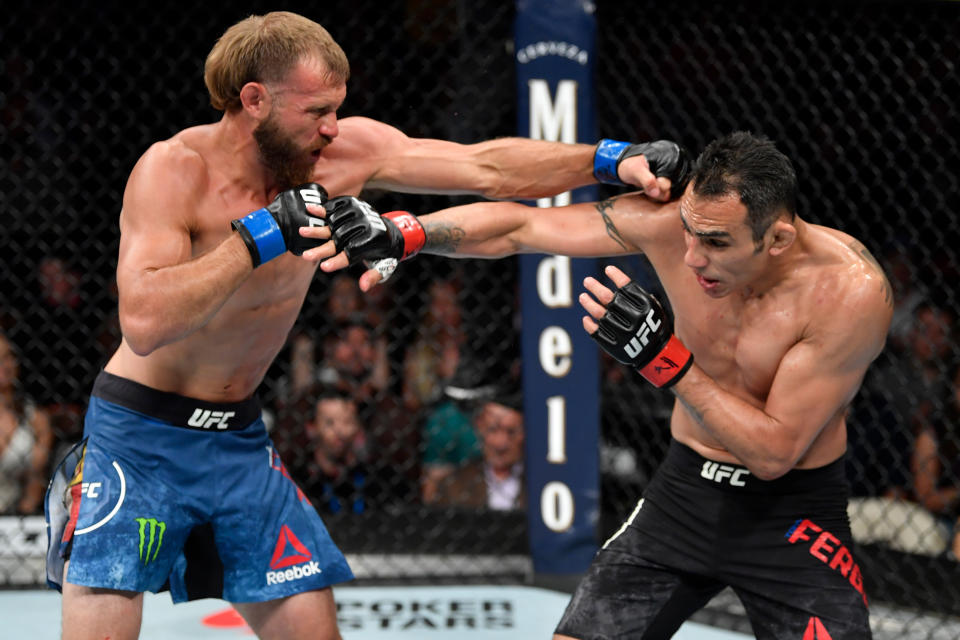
pixel 861 95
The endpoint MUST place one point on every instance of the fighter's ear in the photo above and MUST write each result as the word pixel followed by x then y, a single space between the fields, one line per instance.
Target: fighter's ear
pixel 255 99
pixel 782 234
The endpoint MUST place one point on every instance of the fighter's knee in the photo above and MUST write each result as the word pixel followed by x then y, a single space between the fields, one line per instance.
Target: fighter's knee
pixel 91 613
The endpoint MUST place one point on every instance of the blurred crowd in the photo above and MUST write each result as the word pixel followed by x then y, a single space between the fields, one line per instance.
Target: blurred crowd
pixel 359 409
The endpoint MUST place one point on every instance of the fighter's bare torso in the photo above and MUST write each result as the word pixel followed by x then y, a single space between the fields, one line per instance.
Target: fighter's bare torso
pixel 740 340
pixel 226 359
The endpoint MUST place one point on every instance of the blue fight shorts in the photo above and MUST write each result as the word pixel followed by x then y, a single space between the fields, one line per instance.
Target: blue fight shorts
pixel 170 492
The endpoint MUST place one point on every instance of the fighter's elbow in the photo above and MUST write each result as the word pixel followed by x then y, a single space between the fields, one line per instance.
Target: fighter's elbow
pixel 774 463
pixel 139 345
pixel 140 333
pixel 769 471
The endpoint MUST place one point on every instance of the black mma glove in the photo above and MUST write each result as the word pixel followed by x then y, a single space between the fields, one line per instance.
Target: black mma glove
pixel 666 158
pixel 636 331
pixel 363 234
pixel 275 229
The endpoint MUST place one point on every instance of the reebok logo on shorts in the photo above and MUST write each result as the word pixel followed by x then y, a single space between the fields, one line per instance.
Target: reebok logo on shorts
pixel 816 630
pixel 293 573
pixel 283 558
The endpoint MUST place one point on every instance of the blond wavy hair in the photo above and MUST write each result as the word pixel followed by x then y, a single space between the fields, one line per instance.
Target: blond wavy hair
pixel 264 49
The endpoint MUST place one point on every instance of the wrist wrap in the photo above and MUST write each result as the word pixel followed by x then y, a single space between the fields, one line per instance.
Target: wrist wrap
pixel 668 366
pixel 262 235
pixel 414 237
pixel 605 159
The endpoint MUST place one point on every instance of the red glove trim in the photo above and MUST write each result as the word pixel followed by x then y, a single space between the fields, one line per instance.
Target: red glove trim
pixel 414 237
pixel 668 366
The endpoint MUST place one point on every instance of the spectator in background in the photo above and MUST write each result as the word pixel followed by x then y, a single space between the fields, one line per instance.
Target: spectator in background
pixel 496 481
pixel 339 474
pixel 449 441
pixel 432 358
pixel 355 361
pixel 903 271
pixel 345 306
pixel 343 298
pixel 918 515
pixel 352 360
pixel 25 441
pixel 430 362
pixel 935 462
pixel 108 333
pixel 62 357
pixel 346 314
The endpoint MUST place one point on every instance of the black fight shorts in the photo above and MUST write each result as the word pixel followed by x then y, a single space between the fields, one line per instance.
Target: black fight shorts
pixel 784 546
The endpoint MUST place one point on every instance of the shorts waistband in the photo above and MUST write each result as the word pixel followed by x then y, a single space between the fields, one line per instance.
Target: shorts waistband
pixel 177 410
pixel 725 475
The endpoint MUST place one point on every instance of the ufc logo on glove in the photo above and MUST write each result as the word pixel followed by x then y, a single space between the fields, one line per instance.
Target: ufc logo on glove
pixel 640 340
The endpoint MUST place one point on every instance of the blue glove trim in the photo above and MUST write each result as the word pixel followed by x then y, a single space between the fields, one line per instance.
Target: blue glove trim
pixel 605 160
pixel 266 234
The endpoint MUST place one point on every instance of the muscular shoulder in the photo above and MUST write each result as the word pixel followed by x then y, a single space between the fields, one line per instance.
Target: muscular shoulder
pixel 856 273
pixel 364 136
pixel 178 164
pixel 357 155
pixel 167 181
pixel 849 294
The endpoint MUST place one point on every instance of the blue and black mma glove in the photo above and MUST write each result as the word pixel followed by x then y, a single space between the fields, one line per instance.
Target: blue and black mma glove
pixel 666 158
pixel 637 332
pixel 275 229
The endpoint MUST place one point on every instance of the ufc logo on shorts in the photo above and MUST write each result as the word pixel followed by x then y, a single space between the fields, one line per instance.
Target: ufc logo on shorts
pixel 719 472
pixel 639 340
pixel 205 418
pixel 91 489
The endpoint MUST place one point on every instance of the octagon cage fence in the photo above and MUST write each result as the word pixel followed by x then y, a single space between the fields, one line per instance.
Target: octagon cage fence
pixel 861 95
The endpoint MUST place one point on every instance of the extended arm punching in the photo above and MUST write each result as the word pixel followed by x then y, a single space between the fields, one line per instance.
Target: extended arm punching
pixel 358 234
pixel 505 168
pixel 665 158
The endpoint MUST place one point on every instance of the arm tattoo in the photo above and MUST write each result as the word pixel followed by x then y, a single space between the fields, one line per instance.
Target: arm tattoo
pixel 612 231
pixel 693 411
pixel 864 253
pixel 442 237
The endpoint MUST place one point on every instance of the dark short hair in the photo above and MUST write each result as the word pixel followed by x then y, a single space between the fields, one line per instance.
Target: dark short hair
pixel 507 393
pixel 751 167
pixel 320 391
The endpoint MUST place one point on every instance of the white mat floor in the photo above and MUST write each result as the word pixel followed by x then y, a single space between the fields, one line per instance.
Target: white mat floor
pixel 366 613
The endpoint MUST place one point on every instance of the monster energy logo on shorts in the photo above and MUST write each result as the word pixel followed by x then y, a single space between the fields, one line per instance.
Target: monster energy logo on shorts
pixel 156 535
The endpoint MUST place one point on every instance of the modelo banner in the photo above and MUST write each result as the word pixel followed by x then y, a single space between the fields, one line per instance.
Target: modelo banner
pixel 554 43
